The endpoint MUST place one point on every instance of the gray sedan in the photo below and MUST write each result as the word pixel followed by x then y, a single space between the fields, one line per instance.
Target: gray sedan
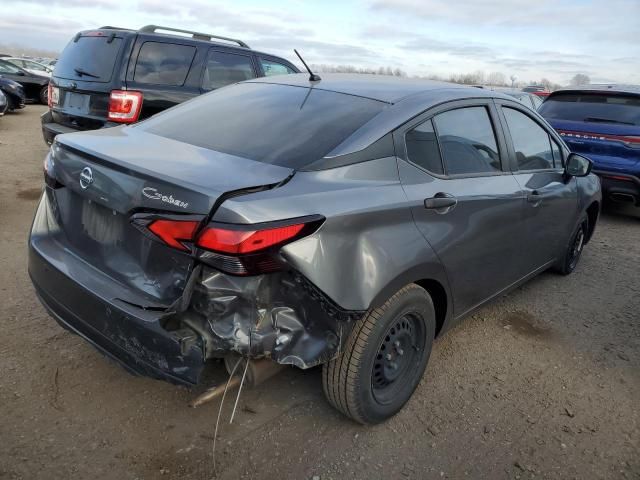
pixel 345 222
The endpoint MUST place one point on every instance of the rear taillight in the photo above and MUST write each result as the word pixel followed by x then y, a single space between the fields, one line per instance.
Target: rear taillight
pixel 124 106
pixel 235 249
pixel 632 141
pixel 50 95
pixel 252 249
pixel 244 240
pixel 174 233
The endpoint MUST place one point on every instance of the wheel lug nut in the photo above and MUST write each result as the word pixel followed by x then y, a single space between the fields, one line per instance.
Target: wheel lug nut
pixel 396 343
pixel 400 352
pixel 389 357
pixel 393 365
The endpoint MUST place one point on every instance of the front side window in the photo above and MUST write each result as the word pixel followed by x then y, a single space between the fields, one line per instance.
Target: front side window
pixel 422 147
pixel 537 101
pixel 163 63
pixel 531 142
pixel 557 154
pixel 467 141
pixel 226 68
pixel 271 68
pixel 35 66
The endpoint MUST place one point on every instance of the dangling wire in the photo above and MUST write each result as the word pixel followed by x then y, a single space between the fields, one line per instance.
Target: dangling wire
pixel 244 374
pixel 215 434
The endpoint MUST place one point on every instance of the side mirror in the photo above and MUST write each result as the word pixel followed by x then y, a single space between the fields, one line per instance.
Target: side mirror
pixel 578 166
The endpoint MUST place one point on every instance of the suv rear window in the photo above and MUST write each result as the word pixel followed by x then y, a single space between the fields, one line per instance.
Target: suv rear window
pixel 278 124
pixel 94 55
pixel 593 107
pixel 162 63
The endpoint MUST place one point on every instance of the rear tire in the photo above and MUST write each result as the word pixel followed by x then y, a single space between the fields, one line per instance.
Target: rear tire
pixel 384 358
pixel 574 250
pixel 11 104
pixel 44 95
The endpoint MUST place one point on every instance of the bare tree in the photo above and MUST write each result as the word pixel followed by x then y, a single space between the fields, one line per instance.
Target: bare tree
pixel 351 69
pixel 580 79
pixel 496 79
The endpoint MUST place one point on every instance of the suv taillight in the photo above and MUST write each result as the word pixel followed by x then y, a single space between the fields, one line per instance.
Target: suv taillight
pixel 124 106
pixel 236 249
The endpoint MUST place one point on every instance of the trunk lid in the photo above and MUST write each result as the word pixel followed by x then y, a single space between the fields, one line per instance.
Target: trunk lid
pixel 111 174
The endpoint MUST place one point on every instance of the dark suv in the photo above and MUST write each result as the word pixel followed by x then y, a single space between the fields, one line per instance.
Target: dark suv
pixel 111 76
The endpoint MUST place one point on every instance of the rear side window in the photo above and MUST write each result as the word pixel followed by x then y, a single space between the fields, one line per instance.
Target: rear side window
pixel 467 141
pixel 279 124
pixel 271 68
pixel 163 63
pixel 422 147
pixel 89 58
pixel 6 67
pixel 531 142
pixel 593 107
pixel 226 68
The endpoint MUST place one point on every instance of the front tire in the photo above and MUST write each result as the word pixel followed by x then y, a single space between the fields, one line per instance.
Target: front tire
pixel 574 251
pixel 384 358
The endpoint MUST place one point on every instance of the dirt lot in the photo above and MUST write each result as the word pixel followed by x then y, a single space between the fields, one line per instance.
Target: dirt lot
pixel 544 383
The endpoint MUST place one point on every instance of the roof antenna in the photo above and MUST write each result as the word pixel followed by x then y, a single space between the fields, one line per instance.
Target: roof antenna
pixel 312 76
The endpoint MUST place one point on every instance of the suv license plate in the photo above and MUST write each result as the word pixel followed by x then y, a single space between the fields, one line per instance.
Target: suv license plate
pixel 76 101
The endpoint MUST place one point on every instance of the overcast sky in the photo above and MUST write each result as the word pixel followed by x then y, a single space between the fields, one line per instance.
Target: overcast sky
pixel 529 38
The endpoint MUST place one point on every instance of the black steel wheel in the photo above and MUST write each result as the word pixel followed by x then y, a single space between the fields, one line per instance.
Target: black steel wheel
pixel 574 250
pixel 384 358
pixel 398 356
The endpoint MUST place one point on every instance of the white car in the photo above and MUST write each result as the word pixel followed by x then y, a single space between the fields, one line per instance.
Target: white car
pixel 30 66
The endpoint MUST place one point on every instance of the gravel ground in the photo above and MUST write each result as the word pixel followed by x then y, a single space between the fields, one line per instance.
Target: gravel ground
pixel 542 383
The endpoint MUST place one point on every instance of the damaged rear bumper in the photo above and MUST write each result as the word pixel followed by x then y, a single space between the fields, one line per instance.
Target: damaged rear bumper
pixel 280 316
pixel 132 336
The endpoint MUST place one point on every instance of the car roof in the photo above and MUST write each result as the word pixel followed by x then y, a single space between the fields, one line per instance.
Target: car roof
pixel 604 87
pixel 405 99
pixel 383 88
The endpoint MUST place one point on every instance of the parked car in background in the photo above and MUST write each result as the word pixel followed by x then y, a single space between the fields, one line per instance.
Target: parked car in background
pixel 35 86
pixel 603 122
pixel 111 76
pixel 538 90
pixel 14 93
pixel 529 99
pixel 345 221
pixel 4 103
pixel 30 66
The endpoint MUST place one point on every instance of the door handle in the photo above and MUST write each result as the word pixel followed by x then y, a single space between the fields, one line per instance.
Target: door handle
pixel 440 201
pixel 534 197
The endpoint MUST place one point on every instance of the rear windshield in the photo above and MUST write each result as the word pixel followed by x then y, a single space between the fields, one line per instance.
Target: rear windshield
pixel 278 124
pixel 89 58
pixel 593 107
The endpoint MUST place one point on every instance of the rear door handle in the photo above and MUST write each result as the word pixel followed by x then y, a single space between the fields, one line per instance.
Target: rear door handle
pixel 534 197
pixel 440 201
